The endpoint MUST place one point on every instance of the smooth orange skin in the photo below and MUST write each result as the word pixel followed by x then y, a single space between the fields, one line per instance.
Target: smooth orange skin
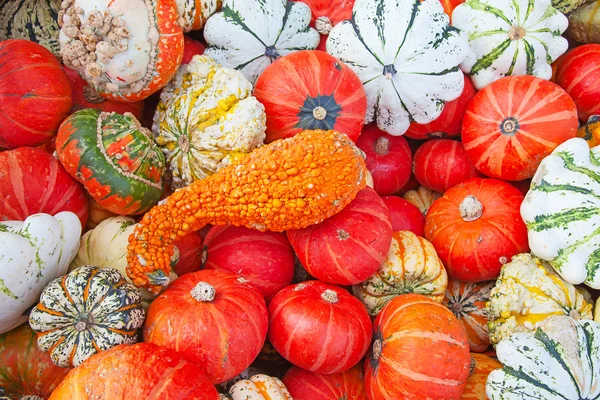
pixel 475 388
pixel 139 371
pixel 277 187
pixel 424 352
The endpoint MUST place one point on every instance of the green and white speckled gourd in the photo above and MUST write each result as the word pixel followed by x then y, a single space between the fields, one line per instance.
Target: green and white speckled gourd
pixel 32 253
pixel 522 37
pixel 559 361
pixel 562 212
pixel 207 117
pixel 248 35
pixel 406 54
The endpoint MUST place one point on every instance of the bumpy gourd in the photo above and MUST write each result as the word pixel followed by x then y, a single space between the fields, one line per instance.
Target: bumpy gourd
pixel 528 292
pixel 206 118
pixel 288 184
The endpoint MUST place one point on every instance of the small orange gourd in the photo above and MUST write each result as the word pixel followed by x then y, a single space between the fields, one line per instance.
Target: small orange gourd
pixel 288 184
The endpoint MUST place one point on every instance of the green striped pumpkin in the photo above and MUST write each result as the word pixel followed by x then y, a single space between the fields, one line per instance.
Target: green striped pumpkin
pixel 520 37
pixel 562 212
pixel 560 361
pixel 114 157
pixel 35 20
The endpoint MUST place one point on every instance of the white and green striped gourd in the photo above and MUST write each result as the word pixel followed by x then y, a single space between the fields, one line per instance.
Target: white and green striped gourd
pixel 520 37
pixel 562 212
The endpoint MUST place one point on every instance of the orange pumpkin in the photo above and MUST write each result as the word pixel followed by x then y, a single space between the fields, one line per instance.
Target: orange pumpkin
pixel 482 366
pixel 591 131
pixel 420 351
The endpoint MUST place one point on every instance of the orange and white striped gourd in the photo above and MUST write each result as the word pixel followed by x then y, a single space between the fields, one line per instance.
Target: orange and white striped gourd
pixel 260 387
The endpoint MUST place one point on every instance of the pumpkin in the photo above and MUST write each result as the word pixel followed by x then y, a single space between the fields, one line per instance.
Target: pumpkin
pixel 260 387
pixel 319 327
pixel 114 158
pixel 591 131
pixel 126 50
pixel 306 385
pixel 206 118
pixel 396 367
pixel 265 259
pixel 584 23
pixel 476 228
pixel 504 42
pixel 194 13
pixel 412 266
pixel 325 14
pixel 440 164
pixel 25 370
pixel 389 159
pixel 301 184
pixel 422 198
pixel 468 301
pixel 449 123
pixel 561 214
pixel 84 96
pixel 213 318
pixel 46 188
pixel 157 372
pixel 578 75
pixel 405 216
pixel 30 79
pixel 87 311
pixel 34 20
pixel 482 366
pixel 191 47
pixel 527 292
pixel 311 90
pixel 249 36
pixel 406 55
pixel 513 123
pixel 190 252
pixel 557 361
pixel 32 253
pixel 348 247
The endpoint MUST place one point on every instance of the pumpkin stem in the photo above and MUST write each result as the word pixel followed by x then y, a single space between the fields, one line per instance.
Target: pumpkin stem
pixel 516 32
pixel 575 315
pixel 377 348
pixel 330 296
pixel 323 25
pixel 319 113
pixel 203 292
pixel 470 209
pixel 80 326
pixel 382 145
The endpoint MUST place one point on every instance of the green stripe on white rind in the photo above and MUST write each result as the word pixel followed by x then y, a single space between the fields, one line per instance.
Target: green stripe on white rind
pixel 487 61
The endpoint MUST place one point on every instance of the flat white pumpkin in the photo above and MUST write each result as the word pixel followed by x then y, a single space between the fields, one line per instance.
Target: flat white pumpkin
pixel 406 55
pixel 519 37
pixel 248 35
pixel 562 212
pixel 32 253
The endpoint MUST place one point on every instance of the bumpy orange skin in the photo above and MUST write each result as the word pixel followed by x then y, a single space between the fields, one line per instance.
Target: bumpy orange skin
pixel 288 184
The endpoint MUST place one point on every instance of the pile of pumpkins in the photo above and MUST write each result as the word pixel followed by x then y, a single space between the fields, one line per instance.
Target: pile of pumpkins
pixel 309 199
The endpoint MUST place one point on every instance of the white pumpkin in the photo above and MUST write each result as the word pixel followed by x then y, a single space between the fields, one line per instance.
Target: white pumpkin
pixel 248 35
pixel 406 55
pixel 32 253
pixel 259 387
pixel 560 361
pixel 562 212
pixel 520 37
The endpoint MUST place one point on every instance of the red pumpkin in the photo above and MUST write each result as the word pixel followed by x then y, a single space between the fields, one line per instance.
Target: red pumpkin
pixel 449 123
pixel 405 215
pixel 265 259
pixel 35 95
pixel 579 75
pixel 420 351
pixel 483 366
pixel 306 385
pixel 32 181
pixel 190 253
pixel 389 159
pixel 139 371
pixel 25 370
pixel 84 96
pixel 476 227
pixel 213 318
pixel 319 327
pixel 311 90
pixel 442 163
pixel 348 247
pixel 325 14
pixel 191 47
pixel 514 122
pixel 412 184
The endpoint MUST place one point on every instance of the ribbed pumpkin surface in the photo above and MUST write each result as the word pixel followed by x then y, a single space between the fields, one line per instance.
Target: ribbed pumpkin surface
pixel 475 388
pixel 306 385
